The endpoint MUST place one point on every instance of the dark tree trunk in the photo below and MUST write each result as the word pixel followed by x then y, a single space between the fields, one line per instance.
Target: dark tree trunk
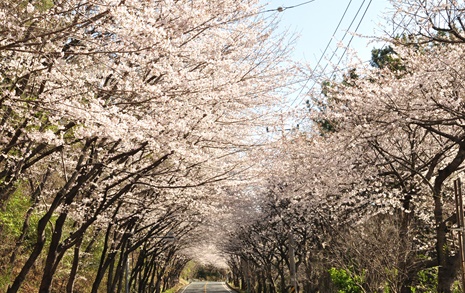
pixel 74 268
pixel 56 252
pixel 28 265
pixel 34 198
pixel 447 269
pixel 49 268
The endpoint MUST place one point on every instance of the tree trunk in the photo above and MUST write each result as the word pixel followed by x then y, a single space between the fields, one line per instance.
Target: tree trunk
pixel 27 266
pixel 34 198
pixel 447 269
pixel 49 268
pixel 74 268
pixel 35 253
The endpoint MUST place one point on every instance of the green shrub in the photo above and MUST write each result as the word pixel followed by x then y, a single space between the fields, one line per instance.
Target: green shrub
pixel 427 281
pixel 346 281
pixel 12 217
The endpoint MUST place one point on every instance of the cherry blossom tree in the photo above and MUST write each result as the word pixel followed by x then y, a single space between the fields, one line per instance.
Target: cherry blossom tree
pixel 105 104
pixel 432 21
pixel 392 146
pixel 296 198
pixel 409 120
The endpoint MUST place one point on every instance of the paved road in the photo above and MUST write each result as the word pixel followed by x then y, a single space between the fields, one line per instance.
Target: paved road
pixel 207 287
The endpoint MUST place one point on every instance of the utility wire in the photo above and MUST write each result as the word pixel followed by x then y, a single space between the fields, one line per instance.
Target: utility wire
pixel 334 34
pixel 323 54
pixel 283 8
pixel 346 68
pixel 279 9
pixel 334 52
pixel 350 41
pixel 294 6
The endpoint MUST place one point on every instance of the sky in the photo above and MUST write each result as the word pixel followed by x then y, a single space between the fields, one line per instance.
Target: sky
pixel 321 22
pixel 316 22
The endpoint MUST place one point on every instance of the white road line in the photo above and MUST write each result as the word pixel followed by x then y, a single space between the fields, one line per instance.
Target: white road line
pixel 227 288
pixel 185 288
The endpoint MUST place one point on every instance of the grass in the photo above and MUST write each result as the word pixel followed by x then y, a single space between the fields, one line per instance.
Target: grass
pixel 182 283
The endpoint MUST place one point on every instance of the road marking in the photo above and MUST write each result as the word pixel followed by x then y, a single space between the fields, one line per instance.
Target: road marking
pixel 226 287
pixel 205 287
pixel 185 288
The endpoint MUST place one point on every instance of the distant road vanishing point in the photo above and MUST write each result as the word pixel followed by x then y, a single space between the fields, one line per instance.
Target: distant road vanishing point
pixel 207 287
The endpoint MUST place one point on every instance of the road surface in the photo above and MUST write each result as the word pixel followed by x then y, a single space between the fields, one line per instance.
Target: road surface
pixel 207 287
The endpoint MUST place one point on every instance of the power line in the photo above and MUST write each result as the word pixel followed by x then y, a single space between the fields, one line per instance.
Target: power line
pixel 283 8
pixel 384 45
pixel 324 52
pixel 334 52
pixel 344 69
pixel 334 34
pixel 347 31
pixel 279 9
pixel 294 6
pixel 350 41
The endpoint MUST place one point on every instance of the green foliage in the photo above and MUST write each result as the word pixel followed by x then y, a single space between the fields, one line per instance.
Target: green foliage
pixel 346 281
pixel 386 58
pixel 12 217
pixel 456 287
pixel 189 270
pixel 44 5
pixel 325 126
pixel 386 289
pixel 11 223
pixel 5 279
pixel 210 273
pixel 427 281
pixel 176 288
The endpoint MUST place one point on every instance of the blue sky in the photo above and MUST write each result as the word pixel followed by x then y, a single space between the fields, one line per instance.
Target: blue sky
pixel 316 22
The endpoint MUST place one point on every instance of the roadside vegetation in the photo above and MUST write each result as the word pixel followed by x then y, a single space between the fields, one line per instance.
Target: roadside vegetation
pixel 144 143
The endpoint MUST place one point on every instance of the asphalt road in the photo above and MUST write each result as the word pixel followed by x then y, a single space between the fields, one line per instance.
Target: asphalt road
pixel 207 287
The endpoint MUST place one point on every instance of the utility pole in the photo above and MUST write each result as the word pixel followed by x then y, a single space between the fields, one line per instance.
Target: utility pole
pixel 245 275
pixel 127 275
pixel 247 278
pixel 292 264
pixel 460 225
